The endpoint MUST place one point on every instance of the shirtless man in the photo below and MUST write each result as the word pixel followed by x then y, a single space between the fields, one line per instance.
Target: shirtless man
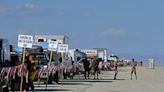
pixel 134 65
pixel 115 70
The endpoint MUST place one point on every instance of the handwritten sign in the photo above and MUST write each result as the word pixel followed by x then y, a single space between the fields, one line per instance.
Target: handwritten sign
pixel 63 48
pixel 53 45
pixel 25 41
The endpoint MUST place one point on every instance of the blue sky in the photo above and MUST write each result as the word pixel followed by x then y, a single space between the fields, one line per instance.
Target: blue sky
pixel 123 26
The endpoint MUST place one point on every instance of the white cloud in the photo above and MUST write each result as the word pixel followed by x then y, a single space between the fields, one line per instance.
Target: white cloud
pixel 27 8
pixel 31 6
pixel 60 13
pixel 89 14
pixel 2 9
pixel 114 32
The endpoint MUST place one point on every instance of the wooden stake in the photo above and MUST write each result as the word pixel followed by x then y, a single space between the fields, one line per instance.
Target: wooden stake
pixel 51 54
pixel 24 54
pixel 49 65
pixel 62 65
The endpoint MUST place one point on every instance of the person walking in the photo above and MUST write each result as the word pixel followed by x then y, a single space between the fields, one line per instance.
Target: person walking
pixel 115 70
pixel 31 67
pixel 86 64
pixel 133 70
pixel 96 68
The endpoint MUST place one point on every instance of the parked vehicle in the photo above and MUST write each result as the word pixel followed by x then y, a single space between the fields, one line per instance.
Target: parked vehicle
pixel 76 56
pixel 42 61
pixel 9 60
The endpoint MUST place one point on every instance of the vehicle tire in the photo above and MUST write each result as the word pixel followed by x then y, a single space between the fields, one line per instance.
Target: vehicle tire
pixel 5 89
pixel 45 81
pixel 50 79
pixel 71 75
pixel 1 89
pixel 16 83
pixel 56 77
pixel 74 74
pixel 65 75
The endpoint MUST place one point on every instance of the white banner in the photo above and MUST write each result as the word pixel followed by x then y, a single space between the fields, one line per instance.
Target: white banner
pixel 53 45
pixel 25 41
pixel 90 52
pixel 63 48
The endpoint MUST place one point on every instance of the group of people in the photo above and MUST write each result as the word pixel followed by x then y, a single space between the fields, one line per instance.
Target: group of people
pixel 133 69
pixel 94 65
pixel 91 65
pixel 29 71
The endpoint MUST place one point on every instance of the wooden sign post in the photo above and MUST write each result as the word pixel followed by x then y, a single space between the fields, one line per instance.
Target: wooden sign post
pixel 24 54
pixel 63 48
pixel 62 65
pixel 52 46
pixel 24 41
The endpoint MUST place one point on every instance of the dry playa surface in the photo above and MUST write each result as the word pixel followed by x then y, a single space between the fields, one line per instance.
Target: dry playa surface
pixel 149 80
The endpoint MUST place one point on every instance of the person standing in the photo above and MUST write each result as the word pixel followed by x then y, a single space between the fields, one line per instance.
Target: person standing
pixel 86 68
pixel 141 63
pixel 96 68
pixel 72 73
pixel 133 70
pixel 31 67
pixel 24 73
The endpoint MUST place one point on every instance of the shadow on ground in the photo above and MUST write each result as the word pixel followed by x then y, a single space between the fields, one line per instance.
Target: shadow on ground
pixel 52 90
pixel 113 79
pixel 44 86
pixel 70 83
pixel 89 80
pixel 49 89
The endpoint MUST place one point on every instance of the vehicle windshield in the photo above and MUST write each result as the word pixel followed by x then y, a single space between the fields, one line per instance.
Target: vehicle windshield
pixel 40 55
pixel 80 56
pixel 41 59
pixel 4 53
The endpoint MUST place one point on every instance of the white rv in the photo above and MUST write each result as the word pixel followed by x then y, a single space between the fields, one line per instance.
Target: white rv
pixel 46 38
